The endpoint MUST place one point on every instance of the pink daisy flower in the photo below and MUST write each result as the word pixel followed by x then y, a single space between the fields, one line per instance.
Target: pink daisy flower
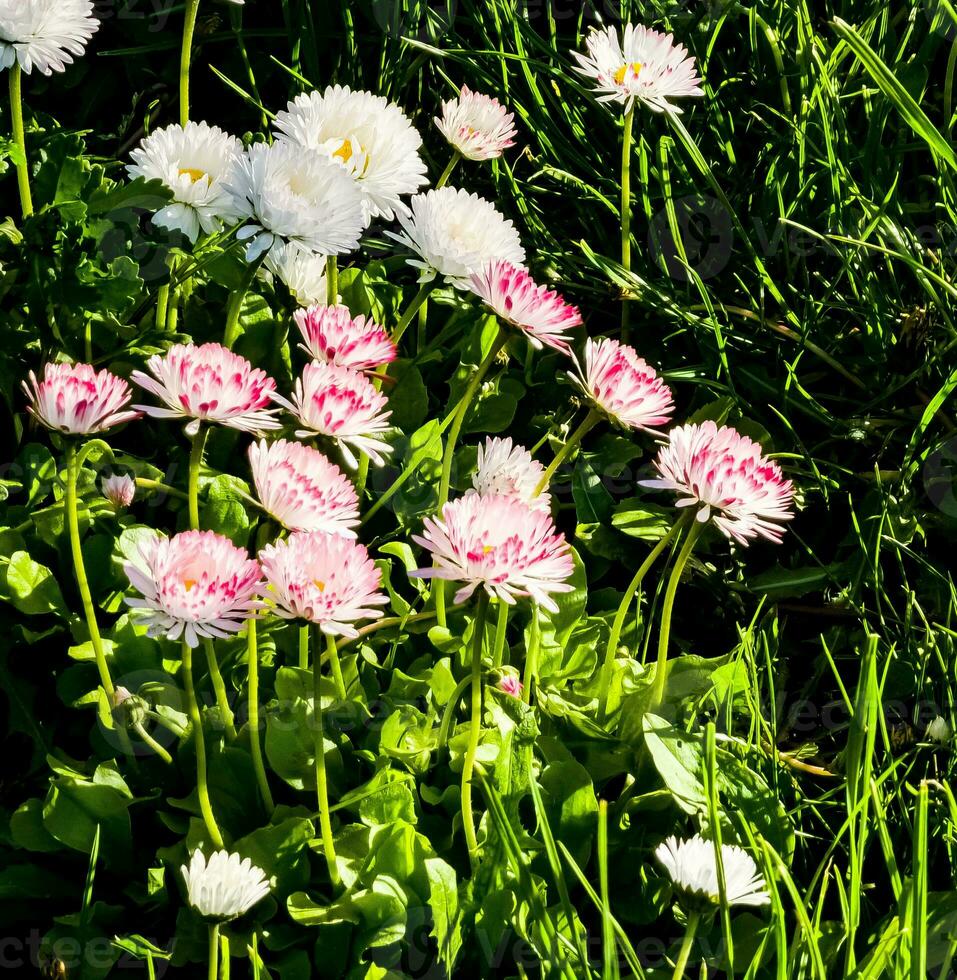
pixel 500 544
pixel 476 125
pixel 510 292
pixel 624 386
pixel 208 384
pixel 194 585
pixel 340 403
pixel 644 64
pixel 505 470
pixel 76 400
pixel 324 579
pixel 119 490
pixel 302 489
pixel 727 477
pixel 332 335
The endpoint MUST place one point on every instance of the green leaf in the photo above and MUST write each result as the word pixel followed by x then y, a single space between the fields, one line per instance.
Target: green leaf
pixel 30 586
pixel 225 510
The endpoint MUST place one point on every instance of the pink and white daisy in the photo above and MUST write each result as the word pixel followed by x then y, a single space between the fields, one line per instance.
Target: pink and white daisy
pixel 333 335
pixel 624 386
pixel 119 490
pixel 324 579
pixel 645 65
pixel 501 544
pixel 303 490
pixel 540 313
pixel 329 400
pixel 478 126
pixel 209 384
pixel 195 585
pixel 76 400
pixel 727 477
pixel 506 470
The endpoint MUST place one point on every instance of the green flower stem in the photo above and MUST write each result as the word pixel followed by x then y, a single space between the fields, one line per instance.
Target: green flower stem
pixel 410 311
pixel 16 115
pixel 421 338
pixel 452 164
pixel 143 484
pixel 162 304
pixel 83 585
pixel 189 27
pixel 231 331
pixel 152 743
pixel 304 647
pixel 587 424
pixel 322 790
pixel 172 310
pixel 252 686
pixel 626 209
pixel 449 713
pixel 336 667
pixel 619 621
pixel 332 280
pixel 475 727
pixel 658 692
pixel 500 628
pixel 362 477
pixel 531 657
pixel 195 461
pixel 458 420
pixel 196 722
pixel 692 927
pixel 213 951
pixel 219 686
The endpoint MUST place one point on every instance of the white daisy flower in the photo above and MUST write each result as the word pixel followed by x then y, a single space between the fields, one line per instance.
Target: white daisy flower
pixel 225 887
pixel 507 470
pixel 292 194
pixel 455 233
pixel 645 65
pixel 44 34
pixel 371 138
pixel 693 870
pixel 478 126
pixel 304 273
pixel 192 163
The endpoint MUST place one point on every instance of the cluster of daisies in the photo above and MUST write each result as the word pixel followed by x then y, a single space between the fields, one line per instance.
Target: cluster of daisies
pixel 337 161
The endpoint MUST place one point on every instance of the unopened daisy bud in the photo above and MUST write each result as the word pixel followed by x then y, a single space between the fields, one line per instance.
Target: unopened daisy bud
pixel 508 682
pixel 937 731
pixel 119 490
pixel 643 65
pixel 478 126
pixel 129 708
pixel 304 273
pixel 225 887
pixel 693 871
pixel 726 477
pixel 624 386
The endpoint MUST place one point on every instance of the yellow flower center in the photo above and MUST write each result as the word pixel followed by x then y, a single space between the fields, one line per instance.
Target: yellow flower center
pixel 189 583
pixel 635 67
pixel 487 549
pixel 344 153
pixel 321 586
pixel 193 173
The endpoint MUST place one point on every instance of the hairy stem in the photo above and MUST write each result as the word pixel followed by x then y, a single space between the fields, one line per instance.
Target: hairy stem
pixel 452 164
pixel 195 461
pixel 658 692
pixel 252 685
pixel 587 424
pixel 626 210
pixel 322 789
pixel 19 137
pixel 475 727
pixel 196 721
pixel 219 687
pixel 189 26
